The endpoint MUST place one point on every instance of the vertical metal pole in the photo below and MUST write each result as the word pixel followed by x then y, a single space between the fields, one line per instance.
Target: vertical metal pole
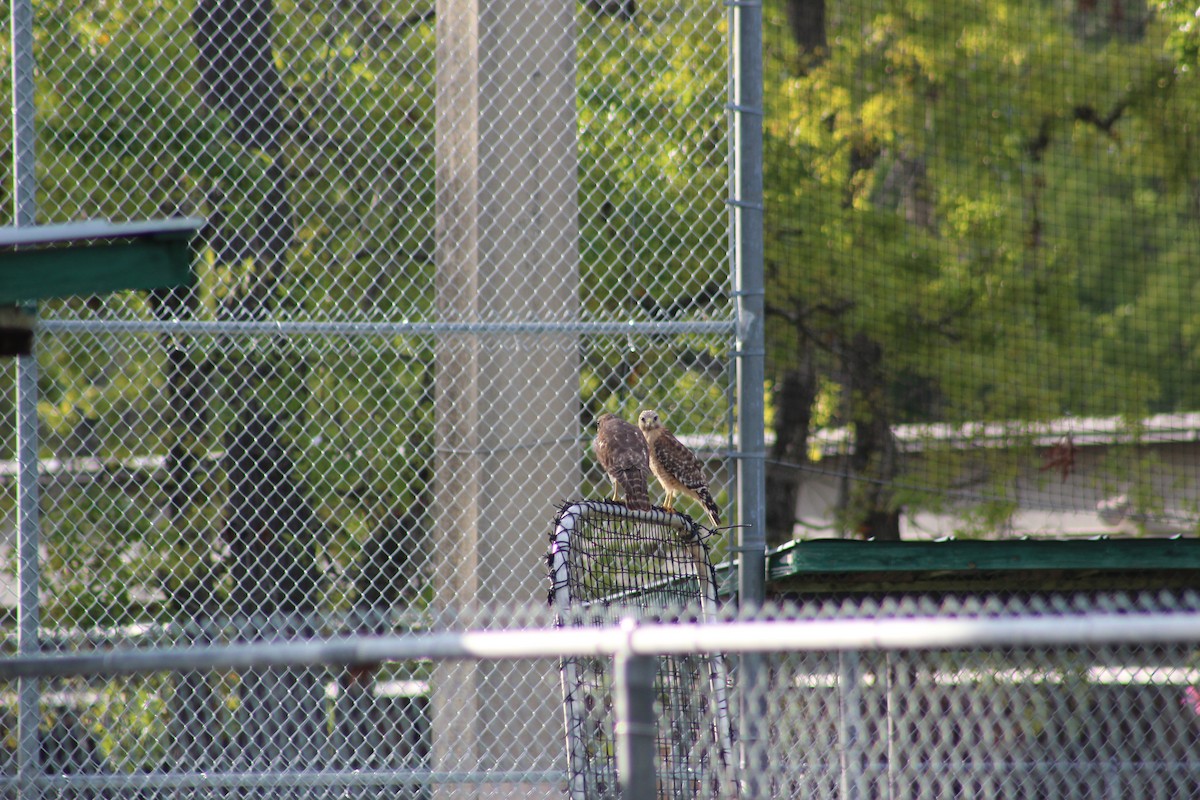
pixel 24 207
pixel 633 687
pixel 24 199
pixel 746 211
pixel 28 569
pixel 747 217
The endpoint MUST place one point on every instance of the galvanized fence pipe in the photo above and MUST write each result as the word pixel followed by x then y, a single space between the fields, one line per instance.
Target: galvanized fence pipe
pixel 633 703
pixel 746 211
pixel 746 207
pixel 24 213
pixel 649 639
pixel 824 700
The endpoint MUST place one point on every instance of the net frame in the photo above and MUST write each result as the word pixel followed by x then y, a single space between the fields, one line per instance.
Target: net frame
pixel 643 564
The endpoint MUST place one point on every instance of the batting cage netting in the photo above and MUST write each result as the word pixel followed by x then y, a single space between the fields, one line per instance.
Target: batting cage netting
pixel 608 562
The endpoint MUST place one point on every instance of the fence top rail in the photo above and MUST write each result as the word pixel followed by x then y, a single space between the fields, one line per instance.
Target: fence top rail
pixel 384 328
pixel 632 637
pixel 90 230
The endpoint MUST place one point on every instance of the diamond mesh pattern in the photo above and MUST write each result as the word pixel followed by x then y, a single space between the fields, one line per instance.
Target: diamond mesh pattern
pixel 441 238
pixel 1072 721
pixel 1088 717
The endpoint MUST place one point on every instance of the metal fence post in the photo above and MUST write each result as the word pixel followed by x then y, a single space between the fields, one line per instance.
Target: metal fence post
pixel 633 689
pixel 746 209
pixel 746 205
pixel 24 182
pixel 28 578
pixel 28 616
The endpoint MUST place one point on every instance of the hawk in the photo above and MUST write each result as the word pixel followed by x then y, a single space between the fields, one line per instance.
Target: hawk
pixel 676 467
pixel 621 450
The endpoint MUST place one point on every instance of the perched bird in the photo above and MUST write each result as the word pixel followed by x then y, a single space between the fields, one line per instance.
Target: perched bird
pixel 676 467
pixel 621 451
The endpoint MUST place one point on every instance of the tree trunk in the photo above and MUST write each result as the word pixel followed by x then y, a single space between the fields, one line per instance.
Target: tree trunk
pixel 806 20
pixel 191 597
pixel 793 423
pixel 874 460
pixel 270 528
pixel 270 531
pixel 237 71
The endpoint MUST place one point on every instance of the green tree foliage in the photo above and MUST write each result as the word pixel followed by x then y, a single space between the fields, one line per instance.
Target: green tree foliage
pixel 977 211
pixel 329 216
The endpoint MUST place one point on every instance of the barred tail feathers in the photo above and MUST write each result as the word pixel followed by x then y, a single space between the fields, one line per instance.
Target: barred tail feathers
pixel 637 493
pixel 710 506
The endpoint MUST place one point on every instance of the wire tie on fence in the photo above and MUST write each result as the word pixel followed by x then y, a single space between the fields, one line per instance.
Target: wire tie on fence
pixel 756 111
pixel 733 201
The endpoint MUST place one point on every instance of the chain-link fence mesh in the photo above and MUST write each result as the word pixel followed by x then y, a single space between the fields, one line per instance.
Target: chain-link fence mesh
pixel 442 238
pixel 1047 696
pixel 310 350
pixel 1093 720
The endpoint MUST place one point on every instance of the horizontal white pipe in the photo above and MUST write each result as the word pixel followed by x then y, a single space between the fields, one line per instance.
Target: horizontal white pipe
pixel 215 778
pixel 382 329
pixel 932 633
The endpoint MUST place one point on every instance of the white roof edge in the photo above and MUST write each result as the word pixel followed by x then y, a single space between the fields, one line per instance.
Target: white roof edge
pixel 1169 427
pixel 85 230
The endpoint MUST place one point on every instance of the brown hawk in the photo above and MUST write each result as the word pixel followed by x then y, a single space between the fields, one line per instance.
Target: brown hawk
pixel 621 450
pixel 676 467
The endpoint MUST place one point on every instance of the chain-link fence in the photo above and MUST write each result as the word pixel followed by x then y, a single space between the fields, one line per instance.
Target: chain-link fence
pixel 1016 697
pixel 441 239
pixel 415 287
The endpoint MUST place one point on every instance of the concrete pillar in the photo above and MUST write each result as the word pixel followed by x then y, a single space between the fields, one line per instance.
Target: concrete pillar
pixel 507 406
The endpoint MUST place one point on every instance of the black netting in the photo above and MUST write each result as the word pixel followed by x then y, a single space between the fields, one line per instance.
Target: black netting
pixel 610 555
pixel 607 562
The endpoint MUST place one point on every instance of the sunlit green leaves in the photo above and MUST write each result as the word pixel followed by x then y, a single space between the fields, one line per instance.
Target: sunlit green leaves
pixel 125 132
pixel 1001 195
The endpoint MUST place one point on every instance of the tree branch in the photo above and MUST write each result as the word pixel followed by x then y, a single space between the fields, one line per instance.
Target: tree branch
pixel 1105 123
